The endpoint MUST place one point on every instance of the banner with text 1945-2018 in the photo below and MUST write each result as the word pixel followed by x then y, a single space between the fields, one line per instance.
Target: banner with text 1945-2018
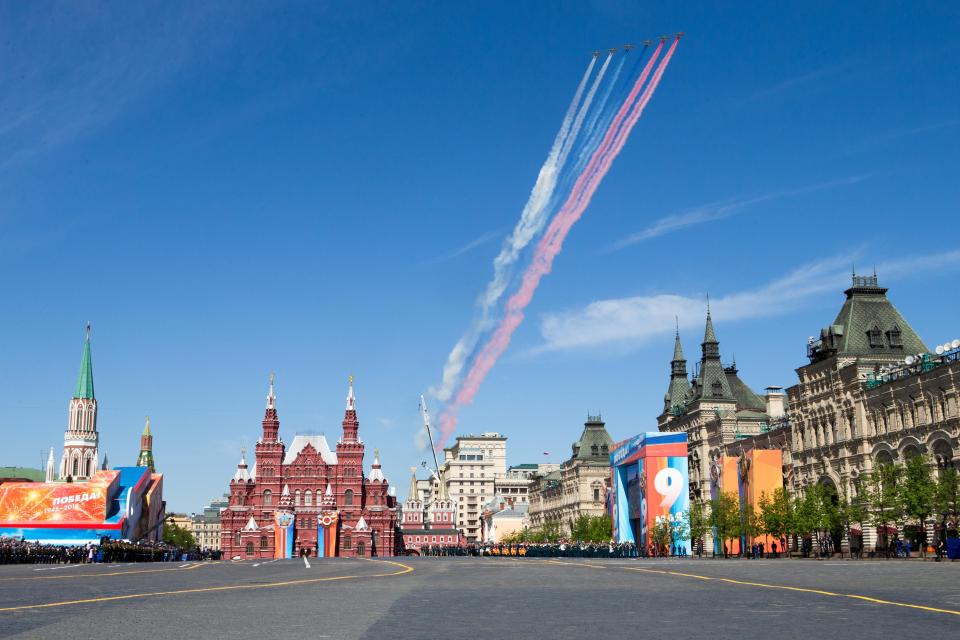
pixel 67 504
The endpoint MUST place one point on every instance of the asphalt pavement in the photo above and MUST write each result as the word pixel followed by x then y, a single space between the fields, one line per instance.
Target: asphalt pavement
pixel 483 597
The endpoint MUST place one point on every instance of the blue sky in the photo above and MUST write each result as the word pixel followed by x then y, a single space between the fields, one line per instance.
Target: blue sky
pixel 317 191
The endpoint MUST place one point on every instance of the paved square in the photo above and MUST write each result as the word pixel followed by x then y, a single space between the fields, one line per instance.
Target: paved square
pixel 483 597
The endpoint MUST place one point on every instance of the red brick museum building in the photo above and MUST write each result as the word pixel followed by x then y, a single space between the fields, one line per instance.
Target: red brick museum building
pixel 307 478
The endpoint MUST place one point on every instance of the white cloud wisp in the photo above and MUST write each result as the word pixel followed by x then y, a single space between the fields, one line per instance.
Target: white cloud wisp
pixel 635 320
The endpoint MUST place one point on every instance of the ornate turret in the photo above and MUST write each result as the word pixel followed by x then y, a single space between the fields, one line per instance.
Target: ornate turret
pixel 80 440
pixel 271 424
pixel 413 507
pixel 712 383
pixel 242 474
pixel 350 424
pixel 145 459
pixel 329 500
pixel 376 473
pixel 678 391
pixel 412 493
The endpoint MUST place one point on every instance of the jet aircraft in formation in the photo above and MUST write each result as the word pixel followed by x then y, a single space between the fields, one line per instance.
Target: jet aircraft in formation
pixel 646 43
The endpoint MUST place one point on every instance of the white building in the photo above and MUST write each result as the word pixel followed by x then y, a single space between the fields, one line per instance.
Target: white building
pixel 470 470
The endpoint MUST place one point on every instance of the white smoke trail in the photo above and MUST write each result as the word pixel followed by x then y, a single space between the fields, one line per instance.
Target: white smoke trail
pixel 532 221
pixel 582 112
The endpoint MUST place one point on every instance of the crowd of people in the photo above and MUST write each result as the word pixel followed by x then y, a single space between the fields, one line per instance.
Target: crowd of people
pixel 537 550
pixel 14 551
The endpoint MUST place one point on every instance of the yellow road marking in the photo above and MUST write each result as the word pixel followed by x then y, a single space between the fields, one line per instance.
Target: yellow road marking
pixel 71 576
pixel 228 587
pixel 771 586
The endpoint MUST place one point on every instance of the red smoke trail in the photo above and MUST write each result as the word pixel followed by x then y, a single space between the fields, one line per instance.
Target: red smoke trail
pixel 552 241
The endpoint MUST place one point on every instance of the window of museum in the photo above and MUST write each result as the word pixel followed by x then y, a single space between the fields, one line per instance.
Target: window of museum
pixel 347 542
pixel 267 498
pixel 296 498
pixel 250 548
pixel 307 498
pixel 348 497
pixel 263 542
pixel 236 539
pixel 596 494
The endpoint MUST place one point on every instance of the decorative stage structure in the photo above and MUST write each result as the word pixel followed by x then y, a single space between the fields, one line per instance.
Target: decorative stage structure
pixel 649 484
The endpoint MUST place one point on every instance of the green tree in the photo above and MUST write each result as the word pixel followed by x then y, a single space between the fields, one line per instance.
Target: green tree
pixel 662 535
pixel 178 536
pixel 601 528
pixel 588 528
pixel 815 515
pixel 580 528
pixel 947 498
pixel 725 517
pixel 880 493
pixel 850 512
pixel 698 523
pixel 917 493
pixel 749 526
pixel 776 514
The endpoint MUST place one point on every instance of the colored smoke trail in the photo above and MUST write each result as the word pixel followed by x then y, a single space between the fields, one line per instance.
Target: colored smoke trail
pixel 531 222
pixel 582 112
pixel 552 241
pixel 601 117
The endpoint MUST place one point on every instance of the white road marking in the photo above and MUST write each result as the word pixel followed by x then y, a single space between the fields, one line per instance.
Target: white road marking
pixel 64 566
pixel 305 563
pixel 184 565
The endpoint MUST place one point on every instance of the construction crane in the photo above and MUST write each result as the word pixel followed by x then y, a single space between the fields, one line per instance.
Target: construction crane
pixel 426 425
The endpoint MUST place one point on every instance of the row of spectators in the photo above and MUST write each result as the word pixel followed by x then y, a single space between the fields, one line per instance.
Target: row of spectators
pixel 13 551
pixel 537 550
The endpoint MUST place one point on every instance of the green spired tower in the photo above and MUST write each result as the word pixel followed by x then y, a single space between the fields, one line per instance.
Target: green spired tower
pixel 81 440
pixel 145 459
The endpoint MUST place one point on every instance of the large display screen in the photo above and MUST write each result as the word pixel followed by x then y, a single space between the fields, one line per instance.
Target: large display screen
pixel 48 503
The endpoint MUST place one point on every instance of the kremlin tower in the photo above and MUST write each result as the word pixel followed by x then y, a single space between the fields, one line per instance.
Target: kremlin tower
pixel 145 459
pixel 81 440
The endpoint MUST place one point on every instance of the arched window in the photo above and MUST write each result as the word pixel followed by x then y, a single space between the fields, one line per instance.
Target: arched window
pixel 307 498
pixel 361 548
pixel 348 497
pixel 267 497
pixel 88 465
pixel 263 542
pixel 347 542
pixel 296 498
pixel 249 548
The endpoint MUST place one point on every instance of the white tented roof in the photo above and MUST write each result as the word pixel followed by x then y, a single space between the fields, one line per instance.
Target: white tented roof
pixel 317 441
